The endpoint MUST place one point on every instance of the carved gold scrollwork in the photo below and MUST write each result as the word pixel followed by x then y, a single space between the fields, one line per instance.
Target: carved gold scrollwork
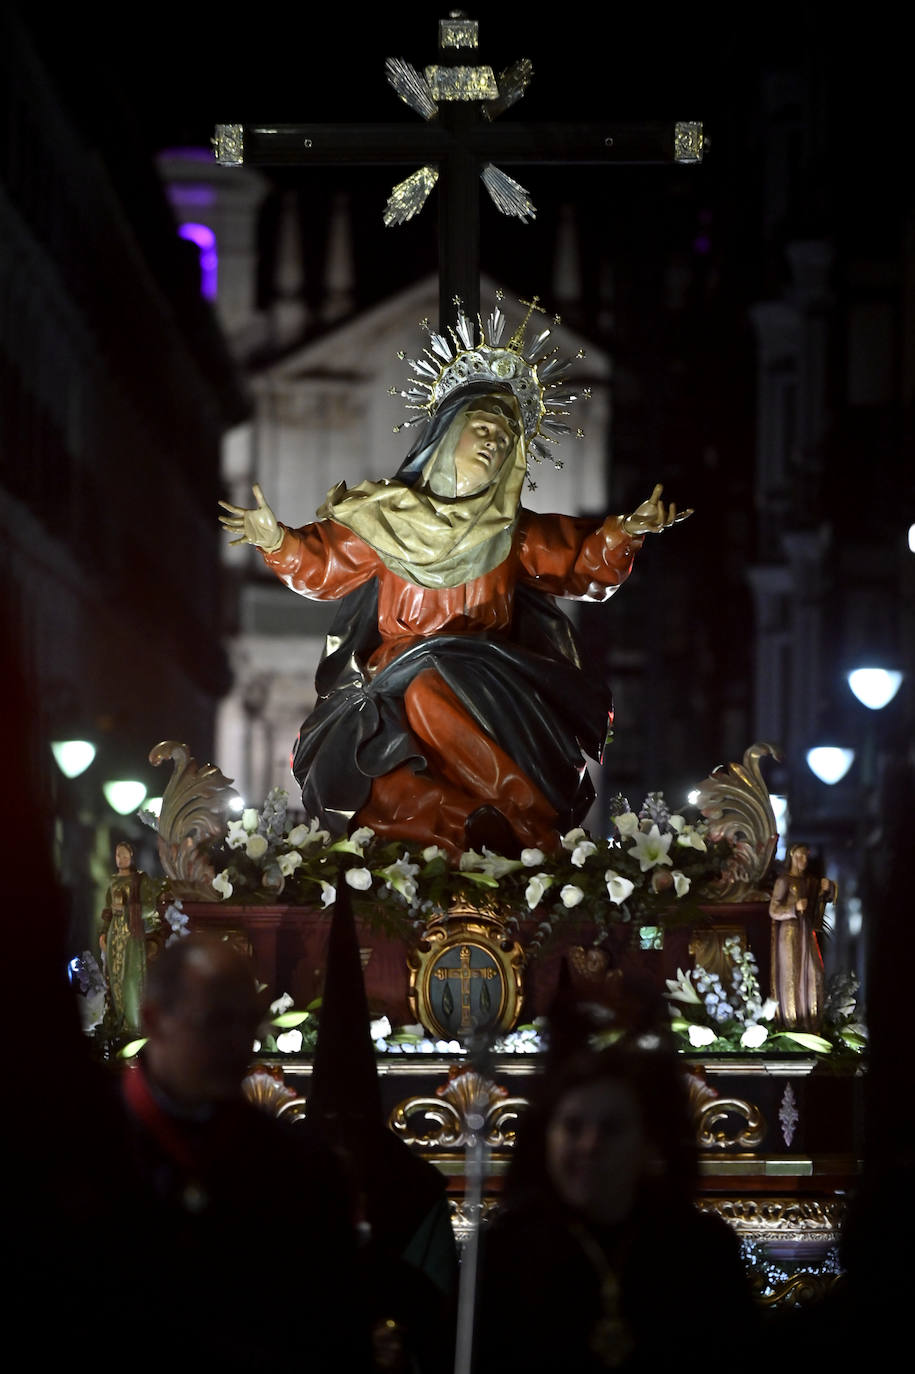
pixel 780 1218
pixel 468 1107
pixel 735 801
pixel 194 817
pixel 229 145
pixel 264 1087
pixel 708 1109
pixel 689 143
pixel 707 948
pixel 797 1291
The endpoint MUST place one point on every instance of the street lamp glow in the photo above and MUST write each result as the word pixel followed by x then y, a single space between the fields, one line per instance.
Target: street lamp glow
pixel 153 804
pixel 912 538
pixel 875 687
pixel 829 762
pixel 73 756
pixel 124 795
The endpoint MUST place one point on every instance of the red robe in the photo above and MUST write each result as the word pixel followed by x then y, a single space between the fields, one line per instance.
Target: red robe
pixel 465 767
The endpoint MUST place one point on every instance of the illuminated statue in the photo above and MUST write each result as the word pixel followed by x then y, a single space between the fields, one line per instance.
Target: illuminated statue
pixel 452 707
pixel 798 903
pixel 130 922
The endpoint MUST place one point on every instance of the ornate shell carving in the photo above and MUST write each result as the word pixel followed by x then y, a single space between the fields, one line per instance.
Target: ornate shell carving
pixel 735 801
pixel 195 808
pixel 466 1108
pixel 707 1110
pixel 263 1087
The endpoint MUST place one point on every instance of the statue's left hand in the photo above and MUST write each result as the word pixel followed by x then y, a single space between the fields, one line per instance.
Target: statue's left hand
pixel 651 517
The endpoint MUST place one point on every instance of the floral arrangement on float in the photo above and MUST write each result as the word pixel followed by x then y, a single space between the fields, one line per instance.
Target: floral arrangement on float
pixel 649 871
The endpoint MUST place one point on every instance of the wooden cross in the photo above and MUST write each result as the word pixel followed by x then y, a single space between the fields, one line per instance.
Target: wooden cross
pixel 465 973
pixel 459 98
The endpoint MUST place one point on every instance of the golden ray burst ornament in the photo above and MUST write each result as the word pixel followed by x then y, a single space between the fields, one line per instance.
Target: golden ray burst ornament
pixel 476 353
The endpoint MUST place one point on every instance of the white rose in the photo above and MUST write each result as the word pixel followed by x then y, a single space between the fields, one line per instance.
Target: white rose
pixel 249 819
pixel 700 1035
pixel 298 835
pixel 380 1028
pixel 289 863
pixel 290 1042
pixel 753 1037
pixel 571 895
pixel 359 878
pixel 256 847
pixel 627 824
pixel 222 884
pixel 573 838
pixel 531 857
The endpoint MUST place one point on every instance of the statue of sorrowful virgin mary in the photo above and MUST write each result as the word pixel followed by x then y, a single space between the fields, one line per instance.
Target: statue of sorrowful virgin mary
pixel 452 705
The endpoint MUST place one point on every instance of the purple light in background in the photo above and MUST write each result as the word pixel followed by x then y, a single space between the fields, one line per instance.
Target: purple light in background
pixel 205 240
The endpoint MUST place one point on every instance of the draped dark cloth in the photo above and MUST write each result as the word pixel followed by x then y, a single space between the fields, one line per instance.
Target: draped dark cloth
pixel 526 689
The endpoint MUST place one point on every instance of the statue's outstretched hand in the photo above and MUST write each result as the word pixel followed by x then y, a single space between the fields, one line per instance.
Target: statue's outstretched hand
pixel 257 526
pixel 651 517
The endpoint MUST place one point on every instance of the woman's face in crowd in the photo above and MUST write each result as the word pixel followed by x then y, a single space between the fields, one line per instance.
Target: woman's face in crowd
pixel 596 1149
pixel 484 445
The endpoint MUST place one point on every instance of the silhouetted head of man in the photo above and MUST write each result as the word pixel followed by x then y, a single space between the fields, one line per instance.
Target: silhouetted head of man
pixel 201 1011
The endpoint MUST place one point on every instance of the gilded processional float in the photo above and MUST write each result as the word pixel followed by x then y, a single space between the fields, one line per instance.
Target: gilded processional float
pixel 444 788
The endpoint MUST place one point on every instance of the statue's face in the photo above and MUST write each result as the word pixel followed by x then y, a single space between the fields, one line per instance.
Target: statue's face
pixel 799 859
pixel 484 445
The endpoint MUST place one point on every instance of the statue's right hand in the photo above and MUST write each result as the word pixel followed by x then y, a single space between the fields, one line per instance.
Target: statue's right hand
pixel 257 525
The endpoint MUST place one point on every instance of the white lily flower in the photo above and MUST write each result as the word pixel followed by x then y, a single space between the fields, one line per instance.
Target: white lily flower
pixel 433 851
pixel 281 1004
pixel 328 893
pixel 362 836
pixel 573 838
pixel 290 1042
pixel 618 887
pixel 236 835
pixel 700 1035
pixel 754 1036
pixel 249 819
pixel 582 851
pixel 400 876
pixel 571 895
pixel 289 862
pixel 681 882
pixel 627 824
pixel 530 858
pixel 535 889
pixel 359 878
pixel 222 884
pixel 302 835
pixel 379 1029
pixel 651 849
pixel 470 861
pixel 256 846
pixel 680 989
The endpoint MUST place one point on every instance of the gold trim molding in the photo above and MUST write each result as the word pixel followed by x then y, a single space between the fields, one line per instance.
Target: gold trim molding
pixel 467 1108
pixel 773 1218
